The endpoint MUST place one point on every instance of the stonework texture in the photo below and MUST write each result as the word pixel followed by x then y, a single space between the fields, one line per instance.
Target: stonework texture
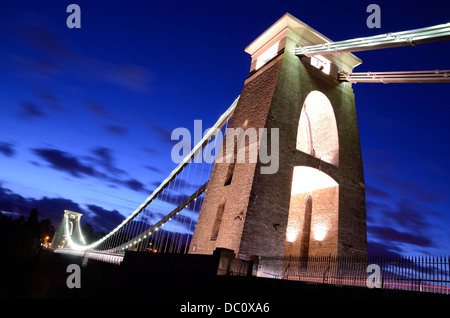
pixel 258 208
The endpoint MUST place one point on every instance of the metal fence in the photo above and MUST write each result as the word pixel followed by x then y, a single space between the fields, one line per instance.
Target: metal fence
pixel 413 273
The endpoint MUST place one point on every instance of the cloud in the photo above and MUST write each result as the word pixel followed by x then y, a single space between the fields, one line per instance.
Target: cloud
pixel 7 149
pixel 408 214
pixel 163 133
pixel 108 219
pixel 49 42
pixel 403 206
pixel 153 168
pixel 45 39
pixel 65 162
pixel 49 54
pixel 374 192
pixel 116 129
pixel 392 235
pixel 150 150
pixel 181 222
pixel 132 76
pixel 97 109
pixel 36 68
pixel 417 190
pixel 51 100
pixel 102 160
pixel 375 205
pixel 135 185
pixel 51 208
pixel 373 208
pixel 387 174
pixel 183 186
pixel 375 248
pixel 30 110
pixel 105 159
pixel 48 96
pixel 379 160
pixel 404 225
pixel 176 199
pixel 102 220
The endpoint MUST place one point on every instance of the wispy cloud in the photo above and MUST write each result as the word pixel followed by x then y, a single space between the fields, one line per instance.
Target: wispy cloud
pixel 52 208
pixel 103 220
pixel 411 215
pixel 63 161
pixel 374 192
pixel 104 158
pixel 51 57
pixel 45 39
pixel 402 212
pixel 135 77
pixel 50 100
pixel 163 133
pixel 108 218
pixel 7 149
pixel 394 235
pixel 30 110
pixel 117 130
pixel 98 110
pixel 153 168
pixel 100 166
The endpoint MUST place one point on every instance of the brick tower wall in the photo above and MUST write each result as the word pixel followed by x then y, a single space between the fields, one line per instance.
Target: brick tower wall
pixel 252 109
pixel 296 79
pixel 252 212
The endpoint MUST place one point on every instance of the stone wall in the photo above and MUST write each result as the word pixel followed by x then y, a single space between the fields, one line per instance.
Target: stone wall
pixel 257 209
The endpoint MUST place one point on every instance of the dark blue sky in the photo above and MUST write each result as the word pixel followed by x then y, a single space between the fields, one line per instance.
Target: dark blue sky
pixel 86 114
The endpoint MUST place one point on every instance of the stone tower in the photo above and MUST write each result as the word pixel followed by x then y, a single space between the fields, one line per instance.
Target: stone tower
pixel 70 223
pixel 314 203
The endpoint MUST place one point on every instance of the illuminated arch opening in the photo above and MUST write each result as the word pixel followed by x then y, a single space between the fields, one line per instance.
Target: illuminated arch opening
pixel 317 133
pixel 70 228
pixel 313 212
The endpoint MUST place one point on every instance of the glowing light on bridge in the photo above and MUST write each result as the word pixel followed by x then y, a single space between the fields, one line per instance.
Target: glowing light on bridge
pixel 111 242
pixel 306 180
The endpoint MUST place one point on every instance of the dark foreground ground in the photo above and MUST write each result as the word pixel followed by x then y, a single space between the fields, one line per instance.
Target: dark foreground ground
pixel 167 284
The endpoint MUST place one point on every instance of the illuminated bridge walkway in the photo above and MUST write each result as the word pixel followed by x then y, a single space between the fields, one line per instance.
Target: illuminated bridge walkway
pixel 165 221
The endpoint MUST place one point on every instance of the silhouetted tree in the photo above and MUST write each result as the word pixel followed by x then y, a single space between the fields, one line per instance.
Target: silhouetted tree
pixel 46 230
pixel 22 238
pixel 31 234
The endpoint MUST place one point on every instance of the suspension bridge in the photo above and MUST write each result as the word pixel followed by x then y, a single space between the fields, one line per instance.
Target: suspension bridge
pixel 166 221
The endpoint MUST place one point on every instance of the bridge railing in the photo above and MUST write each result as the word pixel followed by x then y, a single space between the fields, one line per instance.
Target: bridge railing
pixel 411 273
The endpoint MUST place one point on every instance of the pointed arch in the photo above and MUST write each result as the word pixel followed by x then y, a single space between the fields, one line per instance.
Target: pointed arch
pixel 313 211
pixel 317 133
